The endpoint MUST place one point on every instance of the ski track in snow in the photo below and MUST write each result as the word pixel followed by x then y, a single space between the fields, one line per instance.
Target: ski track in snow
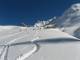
pixel 4 37
pixel 12 41
pixel 4 53
pixel 35 49
pixel 27 55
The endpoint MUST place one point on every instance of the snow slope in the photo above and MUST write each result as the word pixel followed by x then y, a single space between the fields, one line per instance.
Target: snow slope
pixel 30 43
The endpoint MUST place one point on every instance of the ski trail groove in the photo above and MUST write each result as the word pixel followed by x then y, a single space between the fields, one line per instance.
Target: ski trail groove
pixel 27 55
pixel 4 53
pixel 10 35
pixel 12 41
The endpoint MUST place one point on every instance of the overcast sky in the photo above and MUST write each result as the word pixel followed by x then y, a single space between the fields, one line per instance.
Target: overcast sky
pixel 29 11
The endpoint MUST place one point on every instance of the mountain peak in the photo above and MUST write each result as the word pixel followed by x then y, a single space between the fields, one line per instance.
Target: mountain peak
pixel 76 7
pixel 70 21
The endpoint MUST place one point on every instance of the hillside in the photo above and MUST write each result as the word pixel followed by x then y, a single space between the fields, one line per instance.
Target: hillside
pixel 30 43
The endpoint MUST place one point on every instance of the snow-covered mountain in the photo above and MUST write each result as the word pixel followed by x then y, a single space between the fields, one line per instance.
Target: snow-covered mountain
pixel 44 40
pixel 70 20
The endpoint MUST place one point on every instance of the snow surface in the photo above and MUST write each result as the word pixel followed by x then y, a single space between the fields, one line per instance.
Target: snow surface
pixel 30 43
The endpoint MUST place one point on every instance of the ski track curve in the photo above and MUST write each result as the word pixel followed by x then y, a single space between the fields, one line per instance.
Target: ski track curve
pixel 27 55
